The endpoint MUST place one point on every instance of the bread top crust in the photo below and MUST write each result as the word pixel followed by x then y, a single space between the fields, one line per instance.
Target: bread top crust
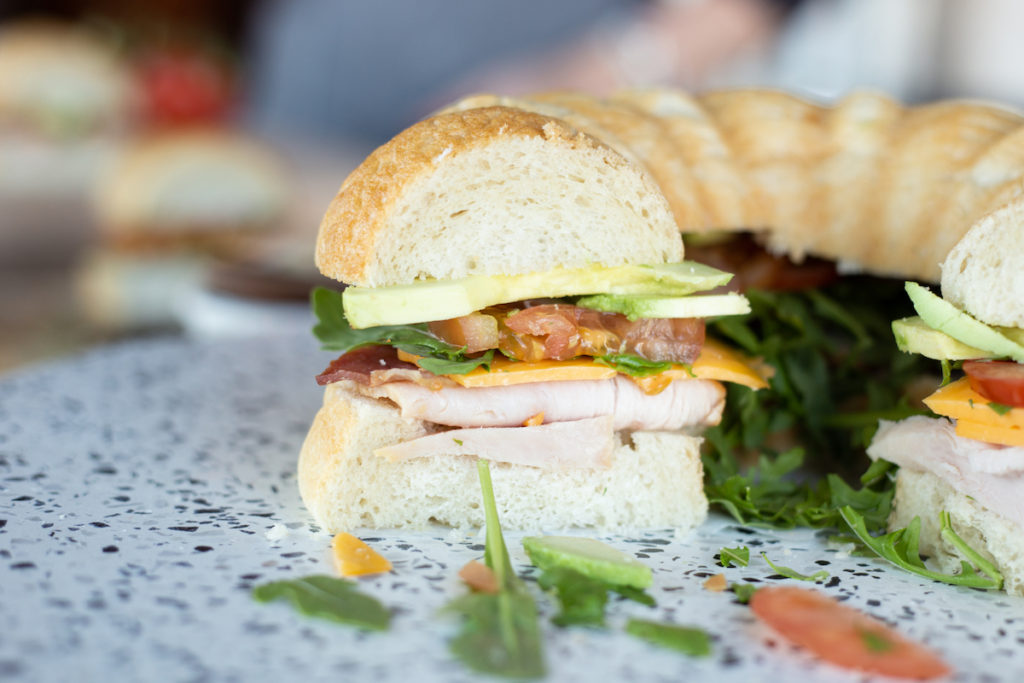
pixel 359 224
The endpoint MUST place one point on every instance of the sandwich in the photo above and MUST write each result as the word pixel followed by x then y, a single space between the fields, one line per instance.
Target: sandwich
pixel 170 204
pixel 969 460
pixel 65 100
pixel 516 291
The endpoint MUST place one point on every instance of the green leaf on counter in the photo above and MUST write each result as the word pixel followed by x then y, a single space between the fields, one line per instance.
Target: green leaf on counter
pixel 817 576
pixel 582 599
pixel 500 633
pixel 740 557
pixel 327 597
pixel 688 640
pixel 743 591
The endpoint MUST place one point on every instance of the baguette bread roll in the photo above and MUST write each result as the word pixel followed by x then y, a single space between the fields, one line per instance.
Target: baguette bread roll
pixel 859 130
pixel 874 185
pixel 655 480
pixel 648 138
pixel 723 190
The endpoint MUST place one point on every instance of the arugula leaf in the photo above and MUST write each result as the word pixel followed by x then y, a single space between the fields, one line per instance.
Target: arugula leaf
pixel 743 591
pixel 437 356
pixel 631 365
pixel 901 548
pixel 688 640
pixel 838 371
pixel 951 537
pixel 583 598
pixel 738 556
pixel 500 634
pixel 770 493
pixel 442 366
pixel 817 576
pixel 328 597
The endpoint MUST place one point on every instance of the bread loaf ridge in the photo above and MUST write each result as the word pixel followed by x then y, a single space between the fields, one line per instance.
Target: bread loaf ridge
pixel 872 184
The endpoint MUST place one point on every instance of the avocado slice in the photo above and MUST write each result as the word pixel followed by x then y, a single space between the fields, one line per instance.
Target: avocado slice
pixel 444 299
pixel 649 306
pixel 914 336
pixel 943 316
pixel 589 557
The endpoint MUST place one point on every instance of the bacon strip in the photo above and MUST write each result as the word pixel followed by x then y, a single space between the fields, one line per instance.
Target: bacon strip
pixel 359 364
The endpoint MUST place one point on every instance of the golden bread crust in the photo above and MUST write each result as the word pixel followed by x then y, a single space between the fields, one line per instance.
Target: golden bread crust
pixel 356 218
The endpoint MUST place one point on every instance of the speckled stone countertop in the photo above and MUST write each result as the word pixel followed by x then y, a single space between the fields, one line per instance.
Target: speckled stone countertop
pixel 145 488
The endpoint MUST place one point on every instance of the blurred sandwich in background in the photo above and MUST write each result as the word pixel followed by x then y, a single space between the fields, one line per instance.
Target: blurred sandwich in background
pixel 171 204
pixel 66 101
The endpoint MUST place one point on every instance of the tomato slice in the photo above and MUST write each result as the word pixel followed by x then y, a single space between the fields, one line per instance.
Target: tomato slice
pixel 1001 381
pixel 843 635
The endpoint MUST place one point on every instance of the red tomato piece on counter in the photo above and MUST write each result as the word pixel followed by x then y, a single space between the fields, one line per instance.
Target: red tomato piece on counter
pixel 1001 381
pixel 843 635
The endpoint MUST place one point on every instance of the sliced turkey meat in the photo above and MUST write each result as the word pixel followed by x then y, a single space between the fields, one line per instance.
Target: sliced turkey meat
pixel 558 445
pixel 990 473
pixel 684 403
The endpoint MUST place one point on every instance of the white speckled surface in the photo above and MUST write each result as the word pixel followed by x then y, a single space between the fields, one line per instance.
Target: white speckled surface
pixel 145 488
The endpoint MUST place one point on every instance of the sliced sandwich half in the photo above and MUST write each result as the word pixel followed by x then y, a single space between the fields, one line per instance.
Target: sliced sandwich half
pixel 516 293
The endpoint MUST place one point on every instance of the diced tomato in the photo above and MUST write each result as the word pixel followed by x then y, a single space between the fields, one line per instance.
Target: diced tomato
pixel 476 331
pixel 843 635
pixel 1001 381
pixel 563 331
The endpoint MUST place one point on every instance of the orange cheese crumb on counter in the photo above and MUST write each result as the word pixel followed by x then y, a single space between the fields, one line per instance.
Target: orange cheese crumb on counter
pixel 716 362
pixel 716 583
pixel 479 577
pixel 352 557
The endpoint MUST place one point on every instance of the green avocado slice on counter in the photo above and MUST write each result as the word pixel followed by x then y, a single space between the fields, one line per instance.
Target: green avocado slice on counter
pixel 589 557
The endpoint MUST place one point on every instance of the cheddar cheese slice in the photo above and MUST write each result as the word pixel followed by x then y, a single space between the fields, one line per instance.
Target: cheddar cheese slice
pixel 716 362
pixel 1008 436
pixel 960 402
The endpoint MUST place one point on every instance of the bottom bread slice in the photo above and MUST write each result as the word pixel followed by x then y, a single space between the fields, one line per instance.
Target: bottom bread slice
pixel 655 480
pixel 924 495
